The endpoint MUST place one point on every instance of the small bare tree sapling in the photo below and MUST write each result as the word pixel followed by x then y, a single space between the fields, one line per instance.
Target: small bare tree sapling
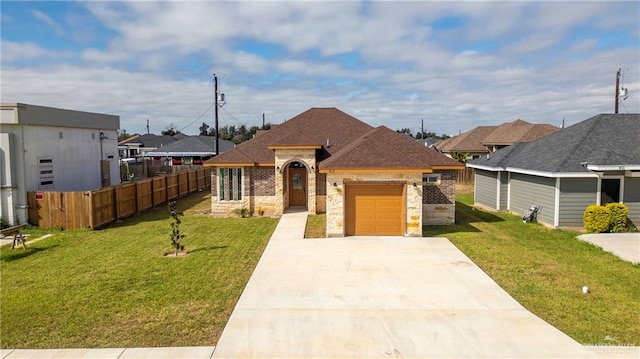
pixel 175 234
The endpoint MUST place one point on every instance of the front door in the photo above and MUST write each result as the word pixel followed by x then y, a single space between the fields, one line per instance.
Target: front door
pixel 297 186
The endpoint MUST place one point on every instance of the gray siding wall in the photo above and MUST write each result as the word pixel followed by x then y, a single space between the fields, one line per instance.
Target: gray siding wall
pixel 575 195
pixel 632 198
pixel 527 190
pixel 504 190
pixel 485 191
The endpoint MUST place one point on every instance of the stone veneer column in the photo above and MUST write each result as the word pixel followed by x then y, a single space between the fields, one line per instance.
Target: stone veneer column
pixel 284 157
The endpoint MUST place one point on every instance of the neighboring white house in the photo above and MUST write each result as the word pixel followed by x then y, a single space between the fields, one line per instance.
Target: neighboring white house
pixel 51 149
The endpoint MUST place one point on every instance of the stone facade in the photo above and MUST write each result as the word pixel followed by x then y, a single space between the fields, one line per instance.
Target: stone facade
pixel 265 191
pixel 439 204
pixel 264 188
pixel 283 158
pixel 335 199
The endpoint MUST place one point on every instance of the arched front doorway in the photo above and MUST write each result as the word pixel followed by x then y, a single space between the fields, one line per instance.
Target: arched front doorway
pixel 297 184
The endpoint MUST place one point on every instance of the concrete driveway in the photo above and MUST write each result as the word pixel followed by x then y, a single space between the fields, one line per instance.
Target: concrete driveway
pixel 623 245
pixel 380 297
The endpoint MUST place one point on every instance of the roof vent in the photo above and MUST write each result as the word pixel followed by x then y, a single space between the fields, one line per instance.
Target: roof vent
pixel 328 143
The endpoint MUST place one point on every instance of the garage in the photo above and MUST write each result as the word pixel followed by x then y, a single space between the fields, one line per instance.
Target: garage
pixel 374 209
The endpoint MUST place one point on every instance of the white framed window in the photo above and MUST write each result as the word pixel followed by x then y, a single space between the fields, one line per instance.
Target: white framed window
pixel 187 160
pixel 431 179
pixel 230 184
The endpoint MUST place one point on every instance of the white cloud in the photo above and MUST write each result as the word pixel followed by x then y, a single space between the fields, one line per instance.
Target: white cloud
pixel 20 51
pixel 494 65
pixel 535 43
pixel 49 21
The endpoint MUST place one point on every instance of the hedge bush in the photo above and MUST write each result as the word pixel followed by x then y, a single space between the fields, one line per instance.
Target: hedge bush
pixel 597 219
pixel 619 213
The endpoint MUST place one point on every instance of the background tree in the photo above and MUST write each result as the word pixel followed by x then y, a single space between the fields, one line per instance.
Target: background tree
pixel 122 135
pixel 204 130
pixel 420 135
pixel 236 134
pixel 406 131
pixel 460 156
pixel 171 130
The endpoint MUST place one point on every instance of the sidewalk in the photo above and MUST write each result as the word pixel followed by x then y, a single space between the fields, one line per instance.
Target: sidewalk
pixel 113 353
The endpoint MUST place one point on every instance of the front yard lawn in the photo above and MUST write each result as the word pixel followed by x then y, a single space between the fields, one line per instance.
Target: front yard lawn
pixel 113 288
pixel 545 270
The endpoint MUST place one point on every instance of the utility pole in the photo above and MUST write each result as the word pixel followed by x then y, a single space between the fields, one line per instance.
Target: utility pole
pixel 147 126
pixel 617 90
pixel 422 128
pixel 215 81
pixel 263 120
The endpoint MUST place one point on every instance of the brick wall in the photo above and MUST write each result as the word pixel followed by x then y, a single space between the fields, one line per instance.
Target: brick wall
pixel 321 183
pixel 263 181
pixel 444 193
pixel 439 200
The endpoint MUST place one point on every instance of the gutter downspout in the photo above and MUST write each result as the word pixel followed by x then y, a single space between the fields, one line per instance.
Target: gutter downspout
pixel 22 193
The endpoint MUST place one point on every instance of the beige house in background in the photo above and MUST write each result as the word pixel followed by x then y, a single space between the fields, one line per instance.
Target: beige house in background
pixel 486 139
pixel 368 181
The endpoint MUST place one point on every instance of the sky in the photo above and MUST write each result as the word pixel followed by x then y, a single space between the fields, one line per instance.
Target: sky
pixel 451 65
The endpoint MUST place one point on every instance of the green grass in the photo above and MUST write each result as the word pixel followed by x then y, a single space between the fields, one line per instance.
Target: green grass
pixel 545 269
pixel 316 226
pixel 114 288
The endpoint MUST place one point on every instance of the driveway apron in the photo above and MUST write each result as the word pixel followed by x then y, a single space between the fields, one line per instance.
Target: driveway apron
pixel 379 297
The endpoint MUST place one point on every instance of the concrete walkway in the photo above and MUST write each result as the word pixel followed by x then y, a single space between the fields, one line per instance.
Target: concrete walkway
pixel 380 297
pixel 623 245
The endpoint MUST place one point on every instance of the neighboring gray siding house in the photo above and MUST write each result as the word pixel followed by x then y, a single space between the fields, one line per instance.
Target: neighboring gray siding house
pixel 594 161
pixel 52 149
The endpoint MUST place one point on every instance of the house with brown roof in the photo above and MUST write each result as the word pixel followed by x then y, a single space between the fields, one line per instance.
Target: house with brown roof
pixel 486 139
pixel 368 181
pixel 469 142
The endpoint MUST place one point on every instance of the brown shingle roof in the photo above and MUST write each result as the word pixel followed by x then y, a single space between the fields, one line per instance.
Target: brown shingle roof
pixel 385 148
pixel 352 144
pixel 319 125
pixel 295 138
pixel 470 141
pixel 518 131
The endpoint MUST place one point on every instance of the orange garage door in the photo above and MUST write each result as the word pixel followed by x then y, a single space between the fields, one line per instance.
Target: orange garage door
pixel 374 210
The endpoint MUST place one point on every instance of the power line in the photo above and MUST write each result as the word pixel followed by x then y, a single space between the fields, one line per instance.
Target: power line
pixel 232 116
pixel 199 117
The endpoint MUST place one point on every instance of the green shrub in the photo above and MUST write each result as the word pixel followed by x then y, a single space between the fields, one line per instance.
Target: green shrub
pixel 242 212
pixel 619 213
pixel 596 219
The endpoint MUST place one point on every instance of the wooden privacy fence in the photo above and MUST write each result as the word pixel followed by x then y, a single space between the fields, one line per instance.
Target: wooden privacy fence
pixel 97 208
pixel 466 175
